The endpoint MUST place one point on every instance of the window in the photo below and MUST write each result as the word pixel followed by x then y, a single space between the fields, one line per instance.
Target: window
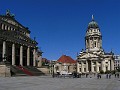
pixel 84 69
pixel 80 69
pixel 106 68
pixel 95 44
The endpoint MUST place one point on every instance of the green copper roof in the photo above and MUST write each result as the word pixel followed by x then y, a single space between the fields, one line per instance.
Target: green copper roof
pixel 93 24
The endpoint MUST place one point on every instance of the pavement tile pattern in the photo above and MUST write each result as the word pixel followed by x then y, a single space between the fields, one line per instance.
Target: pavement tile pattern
pixel 49 83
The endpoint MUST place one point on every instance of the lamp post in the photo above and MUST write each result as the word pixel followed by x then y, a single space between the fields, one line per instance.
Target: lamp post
pixel 52 69
pixel 53 74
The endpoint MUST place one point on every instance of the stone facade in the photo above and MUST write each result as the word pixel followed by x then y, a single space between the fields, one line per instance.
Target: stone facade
pixel 65 65
pixel 16 46
pixel 117 62
pixel 94 59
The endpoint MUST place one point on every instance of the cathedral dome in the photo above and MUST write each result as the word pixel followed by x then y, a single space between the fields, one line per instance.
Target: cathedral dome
pixel 93 24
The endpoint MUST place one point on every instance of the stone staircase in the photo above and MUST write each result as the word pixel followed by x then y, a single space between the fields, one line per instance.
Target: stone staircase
pixel 34 70
pixel 25 71
pixel 15 71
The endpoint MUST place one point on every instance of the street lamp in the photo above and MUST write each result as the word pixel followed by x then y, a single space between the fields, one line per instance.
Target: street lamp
pixel 53 74
pixel 52 69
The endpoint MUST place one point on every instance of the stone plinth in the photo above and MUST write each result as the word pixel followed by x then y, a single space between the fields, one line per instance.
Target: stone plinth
pixel 5 71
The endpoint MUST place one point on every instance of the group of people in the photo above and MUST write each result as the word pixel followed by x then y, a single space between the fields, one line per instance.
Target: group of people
pixel 117 75
pixel 79 75
pixel 98 75
pixel 108 76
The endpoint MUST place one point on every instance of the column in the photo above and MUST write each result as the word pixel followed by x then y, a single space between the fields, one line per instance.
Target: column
pixel 78 67
pixel 103 66
pixel 34 62
pixel 97 67
pixel 21 55
pixel 86 66
pixel 4 50
pixel 13 54
pixel 86 44
pixel 112 65
pixel 28 56
pixel 82 67
pixel 109 65
pixel 40 61
pixel 91 67
pixel 2 26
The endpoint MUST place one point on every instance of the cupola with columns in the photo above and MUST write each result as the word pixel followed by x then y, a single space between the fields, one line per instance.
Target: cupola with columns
pixel 93 38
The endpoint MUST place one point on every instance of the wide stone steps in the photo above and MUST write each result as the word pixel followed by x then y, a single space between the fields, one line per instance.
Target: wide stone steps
pixel 25 71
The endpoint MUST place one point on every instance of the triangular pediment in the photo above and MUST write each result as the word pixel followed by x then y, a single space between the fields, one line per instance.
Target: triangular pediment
pixel 89 55
pixel 12 21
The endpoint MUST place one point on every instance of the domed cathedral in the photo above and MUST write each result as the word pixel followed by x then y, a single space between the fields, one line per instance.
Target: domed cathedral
pixel 94 59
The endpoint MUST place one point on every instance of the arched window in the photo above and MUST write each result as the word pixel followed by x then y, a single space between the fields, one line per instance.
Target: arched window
pixel 95 44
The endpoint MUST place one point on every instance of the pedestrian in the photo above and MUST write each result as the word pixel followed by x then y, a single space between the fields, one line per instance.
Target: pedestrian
pixel 115 75
pixel 118 75
pixel 107 76
pixel 98 76
pixel 86 75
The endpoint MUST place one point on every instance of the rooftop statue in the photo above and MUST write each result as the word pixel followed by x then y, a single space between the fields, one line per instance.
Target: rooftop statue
pixel 9 14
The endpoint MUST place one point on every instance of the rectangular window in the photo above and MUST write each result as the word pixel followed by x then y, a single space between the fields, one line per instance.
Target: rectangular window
pixel 84 69
pixel 106 68
pixel 80 69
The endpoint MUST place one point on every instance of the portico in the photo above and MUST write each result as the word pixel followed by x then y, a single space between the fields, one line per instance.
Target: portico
pixel 15 42
pixel 18 54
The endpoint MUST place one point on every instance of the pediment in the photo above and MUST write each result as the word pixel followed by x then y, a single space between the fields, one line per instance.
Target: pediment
pixel 11 21
pixel 89 55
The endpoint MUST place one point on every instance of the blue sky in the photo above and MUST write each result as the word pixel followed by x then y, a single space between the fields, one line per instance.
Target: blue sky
pixel 60 25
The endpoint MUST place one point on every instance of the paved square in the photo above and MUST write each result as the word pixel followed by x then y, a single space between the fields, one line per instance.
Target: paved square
pixel 49 83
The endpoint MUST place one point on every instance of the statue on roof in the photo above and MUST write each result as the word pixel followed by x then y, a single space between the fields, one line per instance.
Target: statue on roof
pixel 8 12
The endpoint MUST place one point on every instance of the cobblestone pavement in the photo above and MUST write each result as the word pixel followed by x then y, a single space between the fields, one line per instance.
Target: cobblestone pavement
pixel 49 83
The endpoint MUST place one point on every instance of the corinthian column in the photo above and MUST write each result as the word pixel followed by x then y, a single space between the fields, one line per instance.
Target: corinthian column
pixel 21 55
pixel 97 66
pixel 91 67
pixel 4 50
pixel 34 62
pixel 28 56
pixel 112 65
pixel 86 66
pixel 13 54
pixel 103 65
pixel 82 66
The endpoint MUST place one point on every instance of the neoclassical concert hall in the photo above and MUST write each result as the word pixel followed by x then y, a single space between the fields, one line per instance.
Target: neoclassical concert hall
pixel 16 46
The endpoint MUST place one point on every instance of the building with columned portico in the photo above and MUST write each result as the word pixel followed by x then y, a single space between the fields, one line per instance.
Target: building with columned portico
pixel 94 59
pixel 16 46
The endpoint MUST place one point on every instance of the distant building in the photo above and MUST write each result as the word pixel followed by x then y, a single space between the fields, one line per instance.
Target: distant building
pixel 45 62
pixel 94 59
pixel 117 62
pixel 64 65
pixel 16 46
